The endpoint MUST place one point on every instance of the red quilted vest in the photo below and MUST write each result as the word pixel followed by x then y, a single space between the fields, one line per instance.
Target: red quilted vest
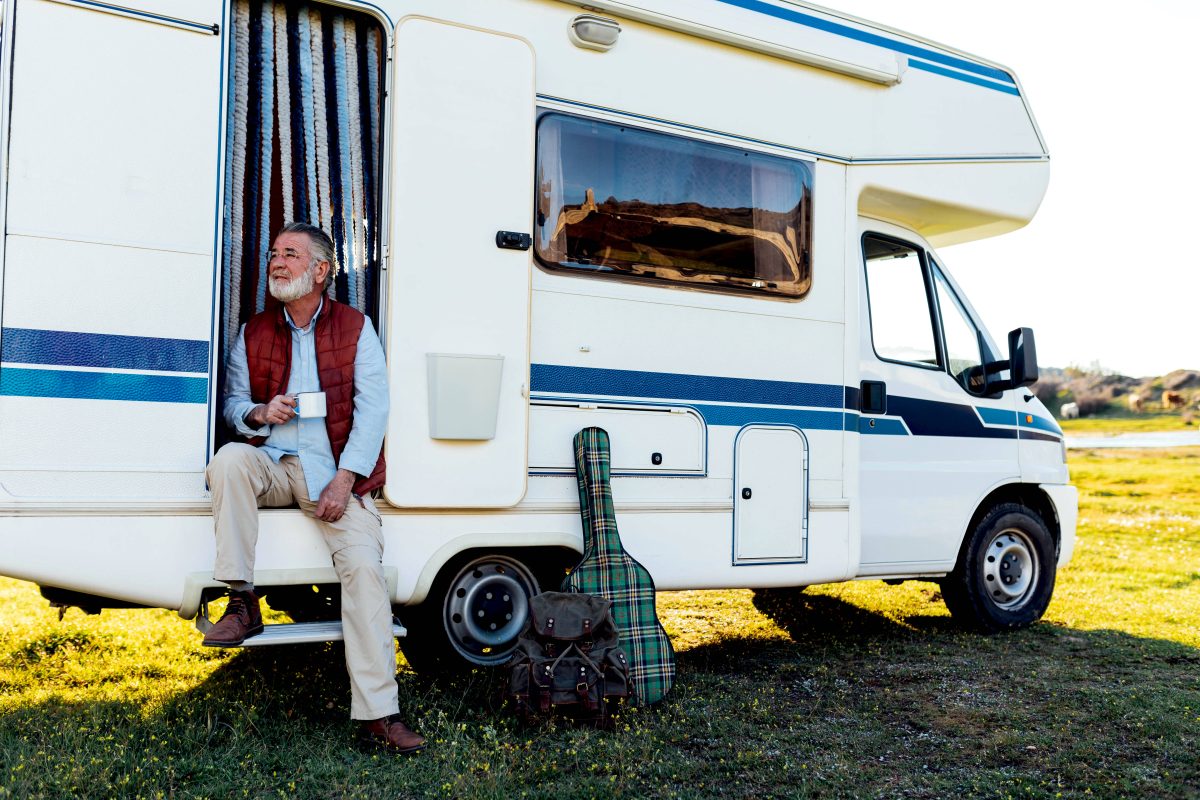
pixel 269 358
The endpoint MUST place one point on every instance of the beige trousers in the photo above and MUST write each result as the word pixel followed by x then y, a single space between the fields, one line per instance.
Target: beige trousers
pixel 243 478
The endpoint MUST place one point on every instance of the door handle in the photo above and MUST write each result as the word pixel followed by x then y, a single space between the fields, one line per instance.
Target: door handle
pixel 872 397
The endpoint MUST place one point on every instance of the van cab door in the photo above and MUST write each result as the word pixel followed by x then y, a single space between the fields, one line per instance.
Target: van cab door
pixel 932 443
pixel 459 271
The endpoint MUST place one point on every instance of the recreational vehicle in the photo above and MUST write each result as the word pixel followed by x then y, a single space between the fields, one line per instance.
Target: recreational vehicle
pixel 710 227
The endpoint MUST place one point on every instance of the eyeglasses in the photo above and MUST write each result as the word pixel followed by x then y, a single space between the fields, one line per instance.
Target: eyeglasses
pixel 288 254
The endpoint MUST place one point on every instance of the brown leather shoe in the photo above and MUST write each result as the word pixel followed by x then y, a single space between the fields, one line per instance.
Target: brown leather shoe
pixel 241 620
pixel 390 734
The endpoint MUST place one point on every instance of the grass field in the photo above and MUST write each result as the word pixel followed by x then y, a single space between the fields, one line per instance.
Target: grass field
pixel 1115 422
pixel 857 690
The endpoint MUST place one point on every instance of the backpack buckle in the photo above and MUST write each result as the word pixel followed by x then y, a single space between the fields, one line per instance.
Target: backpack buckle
pixel 582 687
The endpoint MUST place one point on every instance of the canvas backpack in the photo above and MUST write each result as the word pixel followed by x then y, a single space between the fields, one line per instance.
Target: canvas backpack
pixel 568 660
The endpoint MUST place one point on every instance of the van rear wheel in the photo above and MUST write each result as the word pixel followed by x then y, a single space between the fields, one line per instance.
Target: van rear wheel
pixel 1006 572
pixel 472 616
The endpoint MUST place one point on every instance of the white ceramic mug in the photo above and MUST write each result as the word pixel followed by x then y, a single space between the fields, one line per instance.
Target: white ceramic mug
pixel 310 404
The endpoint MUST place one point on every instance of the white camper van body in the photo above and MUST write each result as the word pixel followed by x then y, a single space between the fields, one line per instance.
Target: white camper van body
pixel 742 456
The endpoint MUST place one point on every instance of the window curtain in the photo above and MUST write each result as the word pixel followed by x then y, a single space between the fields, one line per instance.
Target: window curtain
pixel 303 144
pixel 775 214
pixel 551 193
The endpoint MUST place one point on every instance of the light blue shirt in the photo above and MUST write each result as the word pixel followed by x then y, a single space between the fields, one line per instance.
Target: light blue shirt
pixel 306 437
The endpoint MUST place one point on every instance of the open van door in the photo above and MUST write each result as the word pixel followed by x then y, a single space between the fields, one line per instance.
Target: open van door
pixel 460 267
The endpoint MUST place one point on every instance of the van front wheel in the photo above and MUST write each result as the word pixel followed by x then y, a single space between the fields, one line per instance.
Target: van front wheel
pixel 1005 574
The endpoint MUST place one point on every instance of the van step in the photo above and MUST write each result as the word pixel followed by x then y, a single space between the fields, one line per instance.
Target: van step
pixel 305 632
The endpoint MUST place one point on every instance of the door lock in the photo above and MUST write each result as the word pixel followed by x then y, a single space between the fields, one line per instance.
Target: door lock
pixel 746 493
pixel 513 240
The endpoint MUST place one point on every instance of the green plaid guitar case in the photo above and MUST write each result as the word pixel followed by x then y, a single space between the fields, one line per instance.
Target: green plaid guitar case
pixel 608 571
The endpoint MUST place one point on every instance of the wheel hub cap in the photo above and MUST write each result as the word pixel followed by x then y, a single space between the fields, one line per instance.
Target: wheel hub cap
pixel 486 608
pixel 489 610
pixel 1009 569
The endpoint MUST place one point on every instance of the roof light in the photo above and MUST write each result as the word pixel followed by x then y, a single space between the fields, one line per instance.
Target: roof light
pixel 594 33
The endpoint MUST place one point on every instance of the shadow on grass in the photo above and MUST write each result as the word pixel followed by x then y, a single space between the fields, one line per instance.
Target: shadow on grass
pixel 838 635
pixel 852 703
pixel 817 623
pixel 309 684
pixel 805 616
pixel 1044 709
pixel 271 721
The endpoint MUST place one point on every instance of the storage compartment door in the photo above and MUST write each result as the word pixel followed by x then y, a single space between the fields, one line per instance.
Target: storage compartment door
pixel 770 496
pixel 646 440
pixel 458 304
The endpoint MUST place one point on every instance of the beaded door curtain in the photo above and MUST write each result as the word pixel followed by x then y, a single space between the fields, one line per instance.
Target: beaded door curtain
pixel 303 144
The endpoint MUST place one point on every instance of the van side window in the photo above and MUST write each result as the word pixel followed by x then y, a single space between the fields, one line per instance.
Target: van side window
pixel 628 203
pixel 964 358
pixel 901 316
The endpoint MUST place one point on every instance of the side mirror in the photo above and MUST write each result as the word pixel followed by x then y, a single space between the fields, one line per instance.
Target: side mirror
pixel 1022 357
pixel 1021 365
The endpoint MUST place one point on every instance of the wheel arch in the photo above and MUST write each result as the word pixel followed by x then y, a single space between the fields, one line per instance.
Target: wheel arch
pixel 536 552
pixel 1029 495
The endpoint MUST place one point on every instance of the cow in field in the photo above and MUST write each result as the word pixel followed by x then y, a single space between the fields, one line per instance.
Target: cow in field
pixel 1136 403
pixel 1069 411
pixel 1172 400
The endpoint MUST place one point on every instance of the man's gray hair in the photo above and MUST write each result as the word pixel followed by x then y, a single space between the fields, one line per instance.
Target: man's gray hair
pixel 320 246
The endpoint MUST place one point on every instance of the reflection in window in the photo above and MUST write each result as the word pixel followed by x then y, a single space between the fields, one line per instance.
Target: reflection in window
pixel 634 203
pixel 901 323
pixel 961 337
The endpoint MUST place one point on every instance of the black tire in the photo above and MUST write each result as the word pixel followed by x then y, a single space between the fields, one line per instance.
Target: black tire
pixel 474 612
pixel 1005 573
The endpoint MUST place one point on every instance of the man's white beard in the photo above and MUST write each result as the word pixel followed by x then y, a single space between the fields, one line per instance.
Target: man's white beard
pixel 286 291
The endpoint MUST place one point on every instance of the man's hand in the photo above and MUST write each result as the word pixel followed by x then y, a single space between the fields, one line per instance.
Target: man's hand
pixel 280 410
pixel 336 495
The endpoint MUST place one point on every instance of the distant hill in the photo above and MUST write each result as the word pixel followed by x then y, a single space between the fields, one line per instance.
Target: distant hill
pixel 1098 391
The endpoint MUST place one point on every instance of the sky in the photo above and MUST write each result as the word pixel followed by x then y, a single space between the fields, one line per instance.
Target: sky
pixel 1096 274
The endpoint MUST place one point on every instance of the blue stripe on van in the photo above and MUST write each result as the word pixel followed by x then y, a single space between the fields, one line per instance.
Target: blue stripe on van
pixel 906 415
pixel 103 350
pixel 22 382
pixel 936 70
pixel 591 382
pixel 881 426
pixel 737 416
pixel 852 398
pixel 873 38
pixel 997 416
pixel 1041 423
pixel 936 418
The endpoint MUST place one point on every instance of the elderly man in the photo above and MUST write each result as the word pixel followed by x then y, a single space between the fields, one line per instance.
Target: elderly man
pixel 325 459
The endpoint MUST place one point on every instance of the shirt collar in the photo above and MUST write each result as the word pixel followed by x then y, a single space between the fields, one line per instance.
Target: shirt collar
pixel 307 327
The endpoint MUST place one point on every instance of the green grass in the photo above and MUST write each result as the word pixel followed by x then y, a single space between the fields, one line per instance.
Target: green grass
pixel 1111 423
pixel 854 690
